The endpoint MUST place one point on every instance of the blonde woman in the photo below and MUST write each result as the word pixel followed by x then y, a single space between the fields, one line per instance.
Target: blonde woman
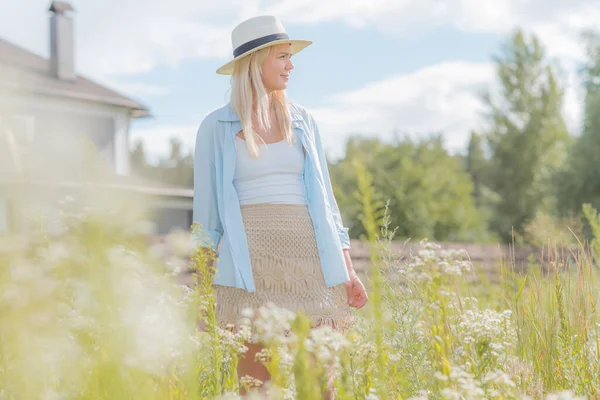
pixel 263 196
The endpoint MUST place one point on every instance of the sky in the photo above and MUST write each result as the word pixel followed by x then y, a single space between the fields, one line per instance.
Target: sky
pixel 375 68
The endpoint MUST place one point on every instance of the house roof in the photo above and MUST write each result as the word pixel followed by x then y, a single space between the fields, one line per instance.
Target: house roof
pixel 22 70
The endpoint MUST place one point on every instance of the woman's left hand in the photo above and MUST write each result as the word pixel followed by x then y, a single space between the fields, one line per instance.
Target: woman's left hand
pixel 357 295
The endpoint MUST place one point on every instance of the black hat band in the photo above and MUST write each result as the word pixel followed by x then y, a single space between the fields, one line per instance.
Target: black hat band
pixel 259 42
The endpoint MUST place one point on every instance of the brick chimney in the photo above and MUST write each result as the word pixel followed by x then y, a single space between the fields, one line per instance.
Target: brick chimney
pixel 62 46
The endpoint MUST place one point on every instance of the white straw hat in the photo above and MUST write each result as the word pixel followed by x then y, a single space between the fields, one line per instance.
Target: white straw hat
pixel 256 33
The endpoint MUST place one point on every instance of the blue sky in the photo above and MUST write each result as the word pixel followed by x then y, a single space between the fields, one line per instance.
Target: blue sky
pixel 376 66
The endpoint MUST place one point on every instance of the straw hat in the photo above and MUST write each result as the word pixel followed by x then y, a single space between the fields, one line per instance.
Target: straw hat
pixel 256 33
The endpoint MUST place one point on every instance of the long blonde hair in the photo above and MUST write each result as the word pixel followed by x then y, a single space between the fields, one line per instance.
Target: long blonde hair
pixel 249 95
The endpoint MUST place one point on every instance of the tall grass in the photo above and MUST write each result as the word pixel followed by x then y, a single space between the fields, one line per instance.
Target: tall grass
pixel 95 311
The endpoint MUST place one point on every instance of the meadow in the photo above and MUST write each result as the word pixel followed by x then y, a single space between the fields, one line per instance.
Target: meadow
pixel 93 311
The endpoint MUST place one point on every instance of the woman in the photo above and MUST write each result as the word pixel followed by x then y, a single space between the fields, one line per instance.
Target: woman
pixel 262 193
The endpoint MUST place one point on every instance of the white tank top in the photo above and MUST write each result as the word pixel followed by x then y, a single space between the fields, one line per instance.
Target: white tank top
pixel 276 177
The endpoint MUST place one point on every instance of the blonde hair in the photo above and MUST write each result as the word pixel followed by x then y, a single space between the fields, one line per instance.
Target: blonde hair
pixel 249 95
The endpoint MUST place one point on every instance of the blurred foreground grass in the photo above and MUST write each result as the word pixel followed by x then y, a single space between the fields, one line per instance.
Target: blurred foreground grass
pixel 93 311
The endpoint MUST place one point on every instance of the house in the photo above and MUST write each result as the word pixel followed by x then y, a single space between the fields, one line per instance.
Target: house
pixel 54 122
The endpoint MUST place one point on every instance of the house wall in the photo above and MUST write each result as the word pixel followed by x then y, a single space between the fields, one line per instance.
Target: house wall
pixel 65 136
pixel 62 125
pixel 3 214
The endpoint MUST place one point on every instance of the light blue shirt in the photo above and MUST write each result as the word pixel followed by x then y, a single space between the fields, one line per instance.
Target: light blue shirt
pixel 217 207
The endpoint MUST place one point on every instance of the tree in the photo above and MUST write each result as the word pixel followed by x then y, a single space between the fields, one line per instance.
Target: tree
pixel 178 168
pixel 175 170
pixel 476 164
pixel 527 135
pixel 579 182
pixel 428 189
pixel 139 164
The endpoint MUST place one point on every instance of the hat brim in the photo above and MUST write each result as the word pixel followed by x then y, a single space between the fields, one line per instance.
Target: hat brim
pixel 297 46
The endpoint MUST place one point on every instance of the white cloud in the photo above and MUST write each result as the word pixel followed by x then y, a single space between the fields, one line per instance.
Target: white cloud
pixel 138 89
pixel 133 36
pixel 438 98
pixel 127 37
pixel 558 22
pixel 442 98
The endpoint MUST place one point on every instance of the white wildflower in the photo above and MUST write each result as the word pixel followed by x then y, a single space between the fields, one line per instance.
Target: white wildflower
pixel 149 312
pixel 325 343
pixel 431 262
pixel 462 385
pixel 175 266
pixel 423 277
pixel 440 376
pixel 429 245
pixel 427 255
pixel 372 395
pixel 55 253
pixel 564 395
pixel 248 382
pixel 247 312
pixel 450 394
pixel 143 227
pixel 229 396
pixel 272 324
pixel 421 395
pixel 499 378
pixel 180 243
pixel 158 250
pixel 234 342
pixel 487 328
pixel 263 356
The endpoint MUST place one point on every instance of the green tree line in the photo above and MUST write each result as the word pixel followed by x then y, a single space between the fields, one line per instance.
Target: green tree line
pixel 523 177
pixel 177 169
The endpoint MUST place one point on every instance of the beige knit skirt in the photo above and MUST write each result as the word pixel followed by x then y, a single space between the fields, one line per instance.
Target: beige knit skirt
pixel 286 268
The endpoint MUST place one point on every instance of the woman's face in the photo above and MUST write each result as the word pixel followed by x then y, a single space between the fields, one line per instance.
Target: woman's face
pixel 277 67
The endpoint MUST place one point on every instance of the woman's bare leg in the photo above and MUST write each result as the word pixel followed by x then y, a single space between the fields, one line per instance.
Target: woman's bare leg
pixel 330 377
pixel 330 383
pixel 247 366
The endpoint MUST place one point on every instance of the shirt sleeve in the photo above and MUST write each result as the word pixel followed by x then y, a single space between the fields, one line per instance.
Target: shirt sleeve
pixel 205 210
pixel 342 230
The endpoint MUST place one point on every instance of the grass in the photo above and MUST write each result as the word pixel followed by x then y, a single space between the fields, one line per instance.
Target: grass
pixel 94 312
